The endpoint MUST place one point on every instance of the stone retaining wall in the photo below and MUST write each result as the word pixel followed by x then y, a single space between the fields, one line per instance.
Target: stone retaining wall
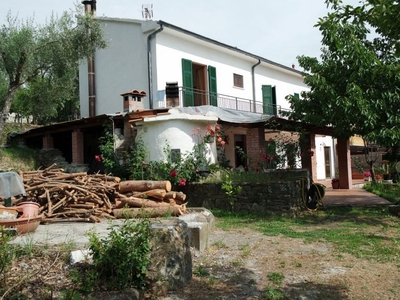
pixel 270 197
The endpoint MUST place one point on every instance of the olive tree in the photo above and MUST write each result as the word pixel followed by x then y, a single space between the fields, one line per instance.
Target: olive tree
pixel 32 53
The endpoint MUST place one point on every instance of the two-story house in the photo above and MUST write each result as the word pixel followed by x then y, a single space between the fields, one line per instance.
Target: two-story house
pixel 202 81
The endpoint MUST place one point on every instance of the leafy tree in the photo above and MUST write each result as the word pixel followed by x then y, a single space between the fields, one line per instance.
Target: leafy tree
pixel 35 54
pixel 355 86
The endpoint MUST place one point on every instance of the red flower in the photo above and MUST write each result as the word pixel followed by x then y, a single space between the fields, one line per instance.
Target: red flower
pixel 97 158
pixel 173 173
pixel 223 143
pixel 182 182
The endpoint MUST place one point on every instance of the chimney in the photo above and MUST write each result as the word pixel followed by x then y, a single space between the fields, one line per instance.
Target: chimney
pixel 90 7
pixel 133 100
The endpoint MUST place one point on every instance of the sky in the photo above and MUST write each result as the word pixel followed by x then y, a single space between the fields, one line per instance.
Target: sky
pixel 278 30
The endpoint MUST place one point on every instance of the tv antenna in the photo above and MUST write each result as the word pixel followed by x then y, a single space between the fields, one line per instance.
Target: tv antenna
pixel 147 11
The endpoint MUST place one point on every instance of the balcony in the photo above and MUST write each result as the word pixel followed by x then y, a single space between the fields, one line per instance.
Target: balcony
pixel 195 97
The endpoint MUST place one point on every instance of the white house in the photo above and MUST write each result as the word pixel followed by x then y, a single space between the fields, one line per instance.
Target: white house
pixel 177 68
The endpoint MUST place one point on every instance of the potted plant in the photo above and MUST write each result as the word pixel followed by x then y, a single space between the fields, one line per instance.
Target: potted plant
pixel 335 183
pixel 367 176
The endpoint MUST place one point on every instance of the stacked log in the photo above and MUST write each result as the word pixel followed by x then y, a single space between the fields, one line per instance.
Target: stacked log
pixel 70 196
pixel 148 198
pixel 89 198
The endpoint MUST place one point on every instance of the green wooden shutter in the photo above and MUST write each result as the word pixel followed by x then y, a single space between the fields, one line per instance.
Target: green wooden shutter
pixel 187 82
pixel 212 85
pixel 296 96
pixel 268 102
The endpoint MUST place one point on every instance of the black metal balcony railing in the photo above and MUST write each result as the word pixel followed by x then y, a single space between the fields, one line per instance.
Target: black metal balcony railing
pixel 195 97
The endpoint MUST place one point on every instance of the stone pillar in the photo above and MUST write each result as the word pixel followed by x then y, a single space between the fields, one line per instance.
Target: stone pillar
pixel 48 142
pixel 344 163
pixel 308 159
pixel 255 146
pixel 77 147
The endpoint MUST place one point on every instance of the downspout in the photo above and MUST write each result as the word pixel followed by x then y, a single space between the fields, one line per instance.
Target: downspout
pixel 150 64
pixel 254 84
pixel 90 7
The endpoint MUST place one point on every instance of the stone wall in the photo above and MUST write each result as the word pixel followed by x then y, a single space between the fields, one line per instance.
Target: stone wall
pixel 282 197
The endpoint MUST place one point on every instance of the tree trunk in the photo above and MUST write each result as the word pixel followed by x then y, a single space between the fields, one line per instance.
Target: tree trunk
pixel 139 202
pixel 6 108
pixel 143 185
pixel 149 212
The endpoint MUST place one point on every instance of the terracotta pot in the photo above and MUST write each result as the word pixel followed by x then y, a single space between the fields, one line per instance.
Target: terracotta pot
pixel 28 209
pixel 336 185
pixel 23 225
pixel 10 210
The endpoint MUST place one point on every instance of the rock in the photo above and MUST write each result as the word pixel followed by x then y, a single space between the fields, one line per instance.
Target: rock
pixel 170 257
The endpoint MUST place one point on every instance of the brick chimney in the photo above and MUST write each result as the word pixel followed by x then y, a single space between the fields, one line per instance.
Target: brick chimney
pixel 133 100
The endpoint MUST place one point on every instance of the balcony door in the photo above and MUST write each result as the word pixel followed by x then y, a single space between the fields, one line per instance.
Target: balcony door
pixel 199 84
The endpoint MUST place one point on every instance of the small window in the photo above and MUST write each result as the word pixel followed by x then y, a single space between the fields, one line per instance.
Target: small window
pixel 238 80
pixel 175 155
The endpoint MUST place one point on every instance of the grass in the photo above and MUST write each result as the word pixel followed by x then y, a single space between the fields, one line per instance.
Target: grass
pixel 18 159
pixel 390 192
pixel 370 233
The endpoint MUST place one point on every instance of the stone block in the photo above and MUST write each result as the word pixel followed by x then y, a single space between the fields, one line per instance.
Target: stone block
pixel 170 257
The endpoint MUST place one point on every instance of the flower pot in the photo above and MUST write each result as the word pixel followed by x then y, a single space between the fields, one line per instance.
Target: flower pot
pixel 335 185
pixel 28 209
pixel 22 225
pixel 8 212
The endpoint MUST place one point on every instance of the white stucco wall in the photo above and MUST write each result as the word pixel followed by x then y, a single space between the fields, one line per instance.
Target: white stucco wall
pixel 176 132
pixel 119 68
pixel 123 66
pixel 170 50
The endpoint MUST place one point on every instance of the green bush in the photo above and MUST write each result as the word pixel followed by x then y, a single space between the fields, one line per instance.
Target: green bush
pixel 6 255
pixel 121 260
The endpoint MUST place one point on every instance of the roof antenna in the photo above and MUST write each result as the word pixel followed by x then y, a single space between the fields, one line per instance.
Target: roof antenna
pixel 147 11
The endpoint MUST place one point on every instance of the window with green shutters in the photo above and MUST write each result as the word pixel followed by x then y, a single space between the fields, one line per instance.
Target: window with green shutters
pixel 187 82
pixel 269 100
pixel 212 85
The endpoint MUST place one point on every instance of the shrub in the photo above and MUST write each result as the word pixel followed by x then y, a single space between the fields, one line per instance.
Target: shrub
pixel 121 260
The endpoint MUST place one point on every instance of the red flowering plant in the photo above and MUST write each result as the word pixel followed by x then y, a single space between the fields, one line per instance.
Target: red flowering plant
pixel 215 134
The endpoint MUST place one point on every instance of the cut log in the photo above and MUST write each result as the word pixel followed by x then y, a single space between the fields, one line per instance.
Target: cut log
pixel 139 202
pixel 158 194
pixel 143 185
pixel 169 195
pixel 147 212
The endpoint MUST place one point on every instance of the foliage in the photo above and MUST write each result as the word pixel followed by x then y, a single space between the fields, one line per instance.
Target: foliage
pixel 19 159
pixel 121 259
pixel 49 99
pixel 6 255
pixel 355 85
pixel 271 293
pixel 178 169
pixel 38 54
pixel 109 157
pixel 276 277
pixel 135 161
pixel 387 191
pixel 231 189
pixel 181 169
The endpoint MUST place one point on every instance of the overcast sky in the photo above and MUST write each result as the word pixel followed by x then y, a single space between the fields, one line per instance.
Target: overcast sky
pixel 278 30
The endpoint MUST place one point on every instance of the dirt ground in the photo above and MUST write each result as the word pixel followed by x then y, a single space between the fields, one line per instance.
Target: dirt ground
pixel 241 264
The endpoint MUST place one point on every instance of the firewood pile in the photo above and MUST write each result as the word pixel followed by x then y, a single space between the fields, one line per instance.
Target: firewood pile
pixel 86 197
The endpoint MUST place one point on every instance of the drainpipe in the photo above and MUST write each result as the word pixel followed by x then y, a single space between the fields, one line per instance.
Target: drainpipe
pixel 254 84
pixel 150 64
pixel 90 7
